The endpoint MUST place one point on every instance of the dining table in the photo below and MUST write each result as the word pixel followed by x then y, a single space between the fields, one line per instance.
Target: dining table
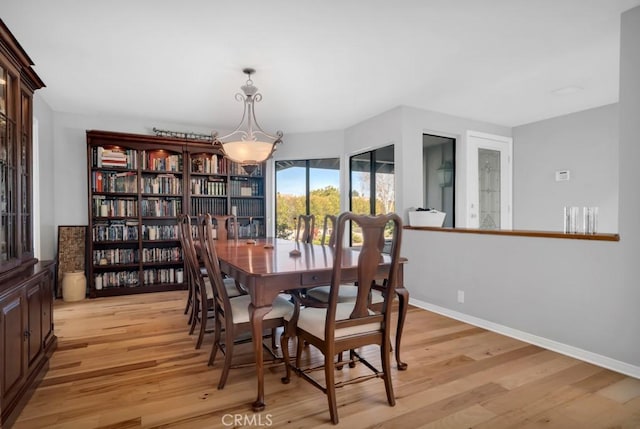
pixel 267 267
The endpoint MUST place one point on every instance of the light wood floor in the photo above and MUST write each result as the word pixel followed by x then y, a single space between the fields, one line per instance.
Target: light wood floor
pixel 128 362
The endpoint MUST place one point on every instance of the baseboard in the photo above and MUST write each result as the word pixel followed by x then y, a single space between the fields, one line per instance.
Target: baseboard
pixel 565 349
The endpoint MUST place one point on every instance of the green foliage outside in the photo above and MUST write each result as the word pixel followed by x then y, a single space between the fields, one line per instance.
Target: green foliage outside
pixel 322 202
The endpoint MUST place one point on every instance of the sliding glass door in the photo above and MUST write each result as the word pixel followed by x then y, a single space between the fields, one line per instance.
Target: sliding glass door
pixel 310 186
pixel 372 182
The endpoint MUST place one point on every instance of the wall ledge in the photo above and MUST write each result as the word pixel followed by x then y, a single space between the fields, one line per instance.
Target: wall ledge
pixel 520 233
pixel 565 349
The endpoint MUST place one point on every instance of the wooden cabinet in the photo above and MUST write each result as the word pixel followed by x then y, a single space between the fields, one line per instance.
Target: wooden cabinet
pixel 138 184
pixel 26 295
pixel 26 335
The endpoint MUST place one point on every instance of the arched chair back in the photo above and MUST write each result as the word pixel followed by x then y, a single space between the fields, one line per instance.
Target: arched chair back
pixel 227 226
pixel 305 228
pixel 329 230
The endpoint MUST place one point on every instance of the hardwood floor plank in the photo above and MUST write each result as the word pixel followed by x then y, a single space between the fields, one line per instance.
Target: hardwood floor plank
pixel 128 362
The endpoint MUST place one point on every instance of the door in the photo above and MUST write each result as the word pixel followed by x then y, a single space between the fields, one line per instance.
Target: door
pixel 489 181
pixel 12 338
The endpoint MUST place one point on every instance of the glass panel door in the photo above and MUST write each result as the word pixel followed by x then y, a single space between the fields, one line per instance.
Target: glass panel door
pixel 25 176
pixel 489 188
pixel 489 179
pixel 372 182
pixel 324 190
pixel 7 168
pixel 310 186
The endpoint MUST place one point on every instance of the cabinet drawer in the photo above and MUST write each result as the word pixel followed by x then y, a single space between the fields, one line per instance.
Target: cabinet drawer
pixel 315 278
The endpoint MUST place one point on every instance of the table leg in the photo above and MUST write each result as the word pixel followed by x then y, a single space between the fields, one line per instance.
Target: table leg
pixel 403 303
pixel 257 316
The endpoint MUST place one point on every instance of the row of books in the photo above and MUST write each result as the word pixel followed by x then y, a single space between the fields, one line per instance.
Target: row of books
pixel 161 207
pixel 159 232
pixel 204 205
pixel 209 164
pixel 103 207
pixel 111 181
pixel 245 187
pixel 114 157
pixel 161 184
pixel 115 256
pixel 203 186
pixel 115 230
pixel 116 279
pixel 161 161
pixel 248 208
pixel 163 275
pixel 162 254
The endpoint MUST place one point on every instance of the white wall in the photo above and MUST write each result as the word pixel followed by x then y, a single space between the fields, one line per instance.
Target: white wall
pixel 48 227
pixel 586 144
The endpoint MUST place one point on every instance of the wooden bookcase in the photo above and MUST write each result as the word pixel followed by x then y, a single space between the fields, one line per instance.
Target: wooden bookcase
pixel 138 184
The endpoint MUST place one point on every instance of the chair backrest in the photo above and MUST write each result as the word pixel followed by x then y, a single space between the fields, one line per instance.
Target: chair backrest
pixel 369 258
pixel 225 223
pixel 306 225
pixel 191 257
pixel 211 263
pixel 329 230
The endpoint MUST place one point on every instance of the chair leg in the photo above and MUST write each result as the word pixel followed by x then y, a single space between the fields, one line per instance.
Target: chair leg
pixel 284 345
pixel 385 350
pixel 216 341
pixel 188 305
pixel 203 327
pixel 403 300
pixel 228 355
pixel 274 344
pixel 331 387
pixel 299 346
pixel 194 316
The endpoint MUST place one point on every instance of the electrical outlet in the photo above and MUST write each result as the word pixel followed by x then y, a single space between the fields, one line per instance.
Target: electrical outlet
pixel 461 296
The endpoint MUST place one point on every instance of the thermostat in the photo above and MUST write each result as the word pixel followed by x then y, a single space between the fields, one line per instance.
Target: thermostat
pixel 562 175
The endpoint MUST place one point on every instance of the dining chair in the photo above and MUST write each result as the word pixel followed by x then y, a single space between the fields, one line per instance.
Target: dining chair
pixel 227 228
pixel 188 277
pixel 347 292
pixel 224 223
pixel 350 325
pixel 199 283
pixel 329 230
pixel 305 228
pixel 233 312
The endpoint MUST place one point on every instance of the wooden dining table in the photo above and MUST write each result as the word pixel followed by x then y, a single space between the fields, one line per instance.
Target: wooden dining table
pixel 267 267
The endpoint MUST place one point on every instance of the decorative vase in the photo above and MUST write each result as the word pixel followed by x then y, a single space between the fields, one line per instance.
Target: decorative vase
pixel 74 286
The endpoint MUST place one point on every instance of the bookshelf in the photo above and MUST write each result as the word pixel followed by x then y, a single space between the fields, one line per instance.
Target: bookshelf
pixel 138 185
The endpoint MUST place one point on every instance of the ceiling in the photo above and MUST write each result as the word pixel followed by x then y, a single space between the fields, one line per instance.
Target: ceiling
pixel 321 65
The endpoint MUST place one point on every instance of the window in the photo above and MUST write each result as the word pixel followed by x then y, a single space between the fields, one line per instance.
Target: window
pixel 372 184
pixel 309 186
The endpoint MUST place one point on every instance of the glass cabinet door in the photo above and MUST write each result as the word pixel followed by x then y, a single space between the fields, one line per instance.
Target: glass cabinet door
pixel 7 168
pixel 26 244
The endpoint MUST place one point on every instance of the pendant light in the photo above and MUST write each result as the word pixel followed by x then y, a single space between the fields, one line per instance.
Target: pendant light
pixel 249 145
